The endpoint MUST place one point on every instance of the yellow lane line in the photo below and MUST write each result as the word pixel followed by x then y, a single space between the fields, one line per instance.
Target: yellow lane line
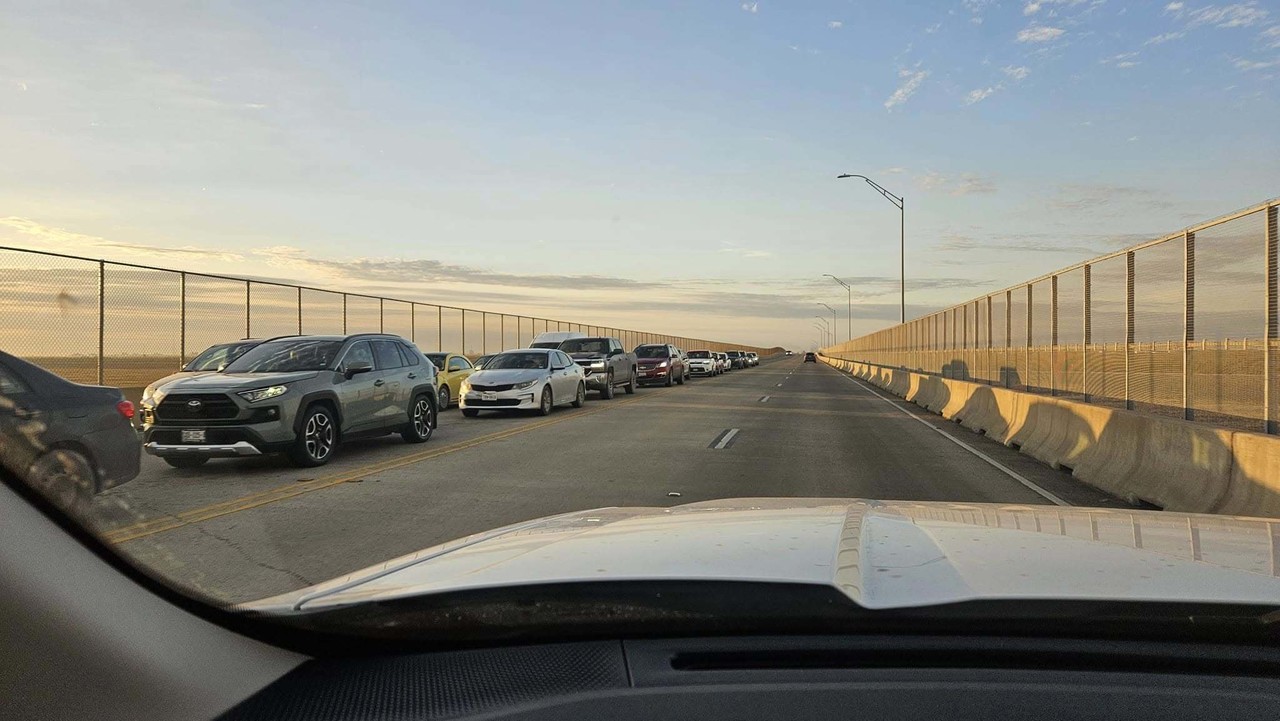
pixel 280 493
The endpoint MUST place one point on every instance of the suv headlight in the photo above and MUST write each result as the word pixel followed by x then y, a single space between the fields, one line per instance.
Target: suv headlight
pixel 663 364
pixel 526 384
pixel 261 394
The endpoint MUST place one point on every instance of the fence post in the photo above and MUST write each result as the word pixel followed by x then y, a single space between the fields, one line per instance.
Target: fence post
pixel 413 322
pixel 1088 332
pixel 381 326
pixel 440 328
pixel 182 318
pixel 463 313
pixel 102 319
pixel 1053 336
pixel 1188 319
pixel 1269 332
pixel 299 310
pixel 1026 347
pixel 344 313
pixel 484 333
pixel 248 327
pixel 1128 328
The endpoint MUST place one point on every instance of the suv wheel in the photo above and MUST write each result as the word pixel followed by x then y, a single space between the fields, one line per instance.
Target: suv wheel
pixel 544 408
pixel 630 387
pixel 317 438
pixel 681 377
pixel 443 401
pixel 607 392
pixel 422 420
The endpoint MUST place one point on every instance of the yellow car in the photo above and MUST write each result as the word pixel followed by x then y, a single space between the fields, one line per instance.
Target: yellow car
pixel 454 368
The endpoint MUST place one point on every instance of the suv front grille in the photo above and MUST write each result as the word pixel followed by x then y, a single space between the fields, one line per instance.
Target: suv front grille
pixel 179 406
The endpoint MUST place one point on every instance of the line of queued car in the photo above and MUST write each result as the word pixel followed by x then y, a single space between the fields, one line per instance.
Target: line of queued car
pixel 303 396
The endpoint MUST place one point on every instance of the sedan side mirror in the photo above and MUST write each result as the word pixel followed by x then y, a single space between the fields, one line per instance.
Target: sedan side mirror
pixel 355 367
pixel 615 351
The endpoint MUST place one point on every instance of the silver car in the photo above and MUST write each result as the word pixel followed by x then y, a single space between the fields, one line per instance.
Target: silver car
pixel 301 395
pixel 532 379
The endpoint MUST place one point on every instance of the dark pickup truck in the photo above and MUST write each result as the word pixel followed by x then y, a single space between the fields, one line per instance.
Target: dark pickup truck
pixel 606 364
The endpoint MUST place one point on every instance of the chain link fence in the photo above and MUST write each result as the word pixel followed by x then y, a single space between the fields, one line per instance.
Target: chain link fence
pixel 1183 326
pixel 125 325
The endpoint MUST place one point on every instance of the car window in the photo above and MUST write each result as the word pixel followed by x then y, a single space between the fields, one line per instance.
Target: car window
pixel 218 356
pixel 285 356
pixel 384 351
pixel 359 352
pixel 409 356
pixel 517 360
pixel 585 345
pixel 10 383
pixel 458 363
pixel 652 351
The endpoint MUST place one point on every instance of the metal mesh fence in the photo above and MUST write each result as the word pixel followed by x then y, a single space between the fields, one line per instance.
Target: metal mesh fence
pixel 1185 325
pixel 127 325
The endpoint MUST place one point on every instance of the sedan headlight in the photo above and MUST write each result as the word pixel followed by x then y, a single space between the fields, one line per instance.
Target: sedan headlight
pixel 526 384
pixel 261 394
pixel 466 387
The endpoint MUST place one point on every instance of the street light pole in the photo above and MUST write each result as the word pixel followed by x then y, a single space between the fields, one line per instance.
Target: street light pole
pixel 849 290
pixel 833 322
pixel 902 237
pixel 825 327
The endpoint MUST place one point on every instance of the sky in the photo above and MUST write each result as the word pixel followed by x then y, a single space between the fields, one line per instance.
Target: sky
pixel 662 166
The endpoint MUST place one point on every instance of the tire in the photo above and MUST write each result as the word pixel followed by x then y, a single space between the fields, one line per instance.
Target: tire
pixel 607 392
pixel 317 438
pixel 470 412
pixel 669 381
pixel 681 379
pixel 186 461
pixel 66 478
pixel 442 400
pixel 422 420
pixel 630 387
pixel 547 403
pixel 581 399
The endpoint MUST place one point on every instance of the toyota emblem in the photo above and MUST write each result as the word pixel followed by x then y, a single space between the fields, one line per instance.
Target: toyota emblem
pixel 193 404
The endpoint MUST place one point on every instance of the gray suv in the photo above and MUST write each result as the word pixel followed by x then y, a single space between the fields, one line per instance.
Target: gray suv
pixel 301 395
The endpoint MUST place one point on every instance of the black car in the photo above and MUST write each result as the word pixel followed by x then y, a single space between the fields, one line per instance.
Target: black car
pixel 68 440
pixel 810 358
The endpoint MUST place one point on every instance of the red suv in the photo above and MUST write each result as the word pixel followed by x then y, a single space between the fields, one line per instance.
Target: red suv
pixel 660 363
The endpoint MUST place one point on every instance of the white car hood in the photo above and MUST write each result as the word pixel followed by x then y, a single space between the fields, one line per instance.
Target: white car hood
pixel 504 375
pixel 880 554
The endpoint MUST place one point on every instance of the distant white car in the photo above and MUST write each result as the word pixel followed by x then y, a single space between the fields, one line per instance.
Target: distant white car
pixel 531 379
pixel 722 360
pixel 753 358
pixel 703 363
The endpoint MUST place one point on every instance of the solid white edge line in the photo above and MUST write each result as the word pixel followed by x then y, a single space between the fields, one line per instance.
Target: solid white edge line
pixel 993 462
pixel 765 399
pixel 727 437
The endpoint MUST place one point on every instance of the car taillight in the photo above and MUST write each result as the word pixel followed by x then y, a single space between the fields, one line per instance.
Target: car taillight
pixel 125 408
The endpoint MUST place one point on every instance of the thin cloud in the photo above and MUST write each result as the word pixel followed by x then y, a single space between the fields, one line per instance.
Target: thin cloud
pixel 1248 65
pixel 979 94
pixel 835 24
pixel 1165 37
pixel 1016 73
pixel 1039 34
pixel 752 8
pixel 933 28
pixel 1123 60
pixel 1173 7
pixel 1239 15
pixel 1096 196
pixel 1271 36
pixel 60 239
pixel 958 185
pixel 1031 8
pixel 911 83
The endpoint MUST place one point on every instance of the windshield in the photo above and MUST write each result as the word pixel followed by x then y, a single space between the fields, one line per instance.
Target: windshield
pixel 513 361
pixel 585 345
pixel 218 356
pixel 286 356
pixel 1053 374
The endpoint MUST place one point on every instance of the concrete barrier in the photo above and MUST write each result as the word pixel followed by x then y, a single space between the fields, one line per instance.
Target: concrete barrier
pixel 1174 464
pixel 1254 488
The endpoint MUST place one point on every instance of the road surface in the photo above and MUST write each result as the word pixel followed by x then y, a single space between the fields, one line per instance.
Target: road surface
pixel 242 529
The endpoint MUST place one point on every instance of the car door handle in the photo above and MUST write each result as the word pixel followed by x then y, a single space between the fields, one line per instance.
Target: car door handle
pixel 413 375
pixel 379 382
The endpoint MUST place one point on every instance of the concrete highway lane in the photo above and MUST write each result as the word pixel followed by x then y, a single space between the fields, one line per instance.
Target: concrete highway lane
pixel 238 530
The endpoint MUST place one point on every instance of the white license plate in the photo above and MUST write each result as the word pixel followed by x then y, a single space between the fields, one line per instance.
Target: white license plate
pixel 489 396
pixel 193 435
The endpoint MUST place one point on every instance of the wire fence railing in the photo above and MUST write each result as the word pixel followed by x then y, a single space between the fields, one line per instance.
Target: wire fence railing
pixel 1184 325
pixel 122 324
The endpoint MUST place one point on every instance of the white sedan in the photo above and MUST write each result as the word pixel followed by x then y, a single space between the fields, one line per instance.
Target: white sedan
pixel 529 379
